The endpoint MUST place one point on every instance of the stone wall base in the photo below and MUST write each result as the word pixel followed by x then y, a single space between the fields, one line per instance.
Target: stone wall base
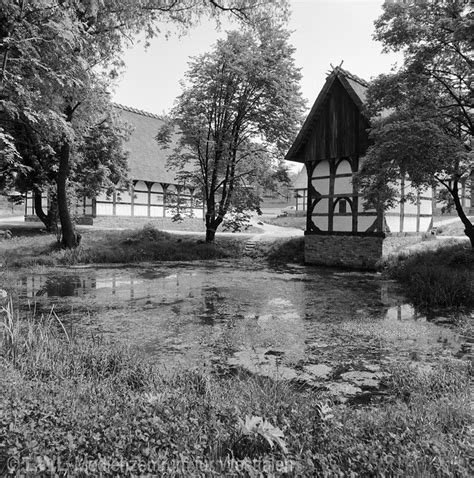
pixel 357 252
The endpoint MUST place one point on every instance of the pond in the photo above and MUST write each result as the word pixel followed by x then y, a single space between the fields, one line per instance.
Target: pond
pixel 323 327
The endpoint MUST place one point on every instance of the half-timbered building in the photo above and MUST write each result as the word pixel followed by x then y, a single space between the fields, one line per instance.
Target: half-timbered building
pixel 333 139
pixel 154 193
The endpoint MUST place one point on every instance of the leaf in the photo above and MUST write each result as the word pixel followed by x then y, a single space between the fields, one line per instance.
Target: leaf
pixel 257 426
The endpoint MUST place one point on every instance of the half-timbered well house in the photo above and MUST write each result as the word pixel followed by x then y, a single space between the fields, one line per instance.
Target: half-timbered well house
pixel 331 143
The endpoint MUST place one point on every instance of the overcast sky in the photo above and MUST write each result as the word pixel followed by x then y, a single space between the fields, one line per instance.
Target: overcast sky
pixel 325 32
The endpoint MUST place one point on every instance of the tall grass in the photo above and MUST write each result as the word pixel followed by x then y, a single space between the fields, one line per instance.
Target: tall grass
pixel 27 338
pixel 442 277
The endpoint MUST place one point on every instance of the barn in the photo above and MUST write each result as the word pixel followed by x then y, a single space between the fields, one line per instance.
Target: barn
pixel 155 193
pixel 333 138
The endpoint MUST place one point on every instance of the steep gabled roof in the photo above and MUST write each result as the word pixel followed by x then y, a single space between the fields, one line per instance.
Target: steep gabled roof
pixel 147 159
pixel 356 88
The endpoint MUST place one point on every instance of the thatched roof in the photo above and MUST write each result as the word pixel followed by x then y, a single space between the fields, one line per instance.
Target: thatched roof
pixel 147 159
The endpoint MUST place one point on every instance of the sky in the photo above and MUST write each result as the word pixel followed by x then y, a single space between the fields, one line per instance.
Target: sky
pixel 325 32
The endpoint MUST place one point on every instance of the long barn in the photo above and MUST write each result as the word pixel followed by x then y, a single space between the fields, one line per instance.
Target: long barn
pixel 155 193
pixel 331 143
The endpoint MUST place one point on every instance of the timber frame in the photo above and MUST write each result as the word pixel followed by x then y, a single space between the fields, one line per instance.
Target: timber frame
pixel 330 144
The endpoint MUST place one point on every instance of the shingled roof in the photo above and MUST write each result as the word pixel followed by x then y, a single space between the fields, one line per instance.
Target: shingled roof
pixel 356 88
pixel 147 159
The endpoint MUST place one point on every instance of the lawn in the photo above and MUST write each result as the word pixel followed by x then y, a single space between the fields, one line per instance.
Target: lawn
pixel 297 222
pixel 453 229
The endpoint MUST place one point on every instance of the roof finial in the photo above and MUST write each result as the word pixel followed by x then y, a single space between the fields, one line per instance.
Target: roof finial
pixel 335 69
pixel 339 70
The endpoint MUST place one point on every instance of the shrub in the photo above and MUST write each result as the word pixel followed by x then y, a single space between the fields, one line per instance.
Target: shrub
pixel 442 277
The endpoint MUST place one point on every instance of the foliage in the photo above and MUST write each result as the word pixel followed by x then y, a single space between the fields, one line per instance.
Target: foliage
pixel 240 107
pixel 440 278
pixel 257 428
pixel 422 124
pixel 88 403
pixel 58 59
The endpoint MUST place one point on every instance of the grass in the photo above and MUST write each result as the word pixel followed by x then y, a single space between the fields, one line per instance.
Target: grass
pixel 455 228
pixel 438 276
pixel 78 403
pixel 141 245
pixel 297 222
pixel 134 245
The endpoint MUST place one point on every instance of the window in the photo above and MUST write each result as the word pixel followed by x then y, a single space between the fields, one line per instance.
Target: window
pixel 342 206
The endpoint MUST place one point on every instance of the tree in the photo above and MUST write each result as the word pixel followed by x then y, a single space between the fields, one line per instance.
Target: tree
pixel 239 110
pixel 57 60
pixel 422 114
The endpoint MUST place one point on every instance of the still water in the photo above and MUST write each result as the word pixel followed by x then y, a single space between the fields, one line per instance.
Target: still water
pixel 311 324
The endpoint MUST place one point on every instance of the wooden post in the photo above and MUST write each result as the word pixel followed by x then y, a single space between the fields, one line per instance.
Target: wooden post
pixel 332 180
pixel 355 197
pixel 402 203
pixel 149 186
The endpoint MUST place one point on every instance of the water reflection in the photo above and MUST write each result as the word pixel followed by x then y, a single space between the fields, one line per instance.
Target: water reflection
pixel 296 322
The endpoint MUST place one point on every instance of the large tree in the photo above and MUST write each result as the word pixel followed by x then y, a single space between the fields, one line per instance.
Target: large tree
pixel 239 110
pixel 57 60
pixel 422 114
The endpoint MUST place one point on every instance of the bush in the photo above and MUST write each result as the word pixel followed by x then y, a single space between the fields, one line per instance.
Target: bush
pixel 443 277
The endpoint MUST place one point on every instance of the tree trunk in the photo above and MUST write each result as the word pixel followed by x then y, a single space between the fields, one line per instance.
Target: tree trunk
pixel 210 234
pixel 469 231
pixel 49 220
pixel 37 201
pixel 469 227
pixel 69 237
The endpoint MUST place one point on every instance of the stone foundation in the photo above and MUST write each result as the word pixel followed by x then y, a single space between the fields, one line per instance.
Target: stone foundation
pixel 358 252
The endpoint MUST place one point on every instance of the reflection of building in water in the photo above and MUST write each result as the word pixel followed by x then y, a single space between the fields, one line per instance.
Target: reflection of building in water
pixel 124 287
pixel 395 303
pixel 58 286
pixel 400 312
